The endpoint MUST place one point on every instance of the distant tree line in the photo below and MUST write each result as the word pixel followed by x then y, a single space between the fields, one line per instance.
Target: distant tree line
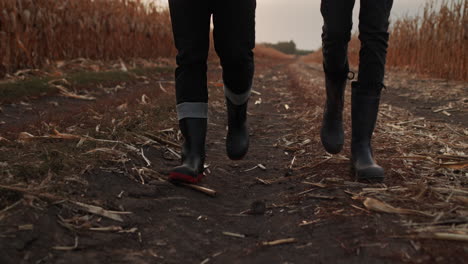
pixel 288 47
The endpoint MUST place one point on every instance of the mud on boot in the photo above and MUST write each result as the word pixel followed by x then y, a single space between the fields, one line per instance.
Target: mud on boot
pixel 332 132
pixel 365 107
pixel 193 151
pixel 237 139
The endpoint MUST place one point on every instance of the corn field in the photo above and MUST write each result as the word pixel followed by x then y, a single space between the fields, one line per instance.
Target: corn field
pixel 435 43
pixel 36 32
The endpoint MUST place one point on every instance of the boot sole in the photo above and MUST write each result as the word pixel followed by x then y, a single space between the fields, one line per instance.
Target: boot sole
pixel 237 158
pixel 180 177
pixel 332 149
pixel 367 176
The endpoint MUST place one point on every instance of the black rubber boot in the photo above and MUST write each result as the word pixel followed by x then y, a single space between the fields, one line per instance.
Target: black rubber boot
pixel 332 132
pixel 365 108
pixel 237 139
pixel 193 151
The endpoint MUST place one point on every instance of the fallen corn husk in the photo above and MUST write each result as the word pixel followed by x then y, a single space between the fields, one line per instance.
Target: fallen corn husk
pixel 378 206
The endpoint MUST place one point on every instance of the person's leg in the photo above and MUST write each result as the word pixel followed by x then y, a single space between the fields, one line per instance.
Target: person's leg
pixel 234 37
pixel 337 25
pixel 191 25
pixel 336 33
pixel 373 33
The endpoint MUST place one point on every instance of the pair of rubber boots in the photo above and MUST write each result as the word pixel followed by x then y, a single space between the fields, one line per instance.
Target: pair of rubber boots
pixel 365 101
pixel 193 149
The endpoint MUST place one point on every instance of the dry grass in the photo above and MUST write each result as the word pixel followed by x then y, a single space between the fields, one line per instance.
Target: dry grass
pixel 432 44
pixel 34 33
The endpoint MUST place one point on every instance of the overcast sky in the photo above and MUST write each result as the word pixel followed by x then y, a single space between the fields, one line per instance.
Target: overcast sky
pixel 301 21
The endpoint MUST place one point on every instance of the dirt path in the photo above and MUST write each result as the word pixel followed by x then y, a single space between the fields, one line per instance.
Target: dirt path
pixel 299 192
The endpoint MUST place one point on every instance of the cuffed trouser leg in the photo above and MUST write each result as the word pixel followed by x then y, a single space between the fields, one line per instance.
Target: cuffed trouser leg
pixel 373 33
pixel 237 99
pixel 234 37
pixel 192 110
pixel 191 28
pixel 336 33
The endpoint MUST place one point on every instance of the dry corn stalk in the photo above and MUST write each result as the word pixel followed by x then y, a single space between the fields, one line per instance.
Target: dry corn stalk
pixel 35 32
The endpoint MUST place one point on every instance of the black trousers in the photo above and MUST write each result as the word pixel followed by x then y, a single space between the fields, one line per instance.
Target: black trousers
pixel 373 34
pixel 234 39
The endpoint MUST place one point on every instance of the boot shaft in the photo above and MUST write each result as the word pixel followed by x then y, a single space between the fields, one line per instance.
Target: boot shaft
pixel 335 89
pixel 194 132
pixel 237 114
pixel 365 100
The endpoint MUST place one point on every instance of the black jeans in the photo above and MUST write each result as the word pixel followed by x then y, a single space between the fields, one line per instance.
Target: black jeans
pixel 373 34
pixel 234 39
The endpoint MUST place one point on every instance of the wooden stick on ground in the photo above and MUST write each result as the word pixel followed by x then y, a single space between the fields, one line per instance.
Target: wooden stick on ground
pixel 279 242
pixel 199 188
